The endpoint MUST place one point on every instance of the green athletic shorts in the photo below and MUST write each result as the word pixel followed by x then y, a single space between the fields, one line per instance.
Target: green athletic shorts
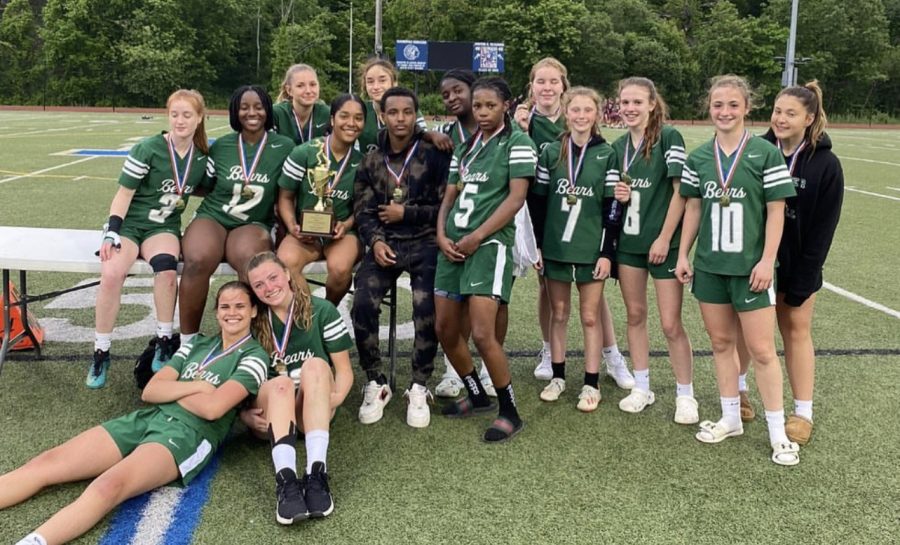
pixel 722 289
pixel 568 272
pixel 138 234
pixel 663 271
pixel 150 425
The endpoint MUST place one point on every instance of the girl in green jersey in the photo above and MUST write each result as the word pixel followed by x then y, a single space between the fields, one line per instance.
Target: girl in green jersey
pixel 161 172
pixel 651 157
pixel 193 403
pixel 735 186
pixel 299 114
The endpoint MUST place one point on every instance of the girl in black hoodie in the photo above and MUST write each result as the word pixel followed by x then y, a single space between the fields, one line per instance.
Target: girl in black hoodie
pixel 798 129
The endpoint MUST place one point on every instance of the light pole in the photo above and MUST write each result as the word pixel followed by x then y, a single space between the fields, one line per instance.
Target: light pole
pixel 350 57
pixel 789 76
pixel 379 49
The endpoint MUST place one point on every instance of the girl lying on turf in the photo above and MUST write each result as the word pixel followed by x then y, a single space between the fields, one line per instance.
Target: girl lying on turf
pixel 194 399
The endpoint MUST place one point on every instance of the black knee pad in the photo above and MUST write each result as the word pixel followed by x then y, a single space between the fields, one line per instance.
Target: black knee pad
pixel 163 262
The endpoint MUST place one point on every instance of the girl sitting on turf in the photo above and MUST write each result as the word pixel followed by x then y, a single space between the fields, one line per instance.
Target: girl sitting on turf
pixel 235 218
pixel 489 179
pixel 158 177
pixel 304 334
pixel 299 114
pixel 735 187
pixel 195 398
pixel 574 177
pixel 341 251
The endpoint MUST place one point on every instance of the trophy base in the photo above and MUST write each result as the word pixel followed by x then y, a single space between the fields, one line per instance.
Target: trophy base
pixel 316 224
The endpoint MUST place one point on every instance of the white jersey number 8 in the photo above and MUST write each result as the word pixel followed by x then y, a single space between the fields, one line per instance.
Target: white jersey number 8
pixel 728 228
pixel 633 215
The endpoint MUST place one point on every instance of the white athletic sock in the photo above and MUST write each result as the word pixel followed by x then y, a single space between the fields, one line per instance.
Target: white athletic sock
pixel 731 412
pixel 284 456
pixel 186 338
pixel 546 347
pixel 642 379
pixel 611 351
pixel 316 448
pixel 684 389
pixel 803 408
pixel 102 341
pixel 775 422
pixel 742 382
pixel 33 538
pixel 164 329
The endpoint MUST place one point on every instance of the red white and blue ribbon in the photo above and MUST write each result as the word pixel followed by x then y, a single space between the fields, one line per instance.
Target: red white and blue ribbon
pixel 180 180
pixel 574 169
pixel 247 174
pixel 792 160
pixel 210 359
pixel 341 166
pixel 726 177
pixel 281 344
pixel 398 177
pixel 473 153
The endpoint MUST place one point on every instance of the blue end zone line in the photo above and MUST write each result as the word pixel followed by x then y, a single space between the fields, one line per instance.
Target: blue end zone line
pixel 184 521
pixel 106 152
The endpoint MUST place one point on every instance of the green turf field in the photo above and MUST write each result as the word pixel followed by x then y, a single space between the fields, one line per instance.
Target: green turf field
pixel 606 477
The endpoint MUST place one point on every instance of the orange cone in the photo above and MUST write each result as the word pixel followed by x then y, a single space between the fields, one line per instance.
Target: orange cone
pixel 17 326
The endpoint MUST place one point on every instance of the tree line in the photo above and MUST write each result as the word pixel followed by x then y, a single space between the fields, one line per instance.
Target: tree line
pixel 135 52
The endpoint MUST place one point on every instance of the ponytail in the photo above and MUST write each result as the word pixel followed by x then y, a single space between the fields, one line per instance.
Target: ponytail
pixel 810 95
pixel 196 100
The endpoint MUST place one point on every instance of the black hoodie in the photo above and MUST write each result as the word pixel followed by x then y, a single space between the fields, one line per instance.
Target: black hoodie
pixel 810 220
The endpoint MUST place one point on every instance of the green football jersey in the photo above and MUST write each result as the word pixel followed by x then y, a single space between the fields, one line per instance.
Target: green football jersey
pixel 226 201
pixel 543 131
pixel 148 171
pixel 731 238
pixel 651 189
pixel 573 233
pixel 485 172
pixel 457 133
pixel 368 138
pixel 246 364
pixel 327 334
pixel 295 177
pixel 287 122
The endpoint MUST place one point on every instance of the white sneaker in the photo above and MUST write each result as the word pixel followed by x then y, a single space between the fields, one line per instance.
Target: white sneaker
pixel 552 391
pixel 375 398
pixel 588 399
pixel 617 369
pixel 486 381
pixel 543 371
pixel 418 414
pixel 448 387
pixel 637 401
pixel 686 410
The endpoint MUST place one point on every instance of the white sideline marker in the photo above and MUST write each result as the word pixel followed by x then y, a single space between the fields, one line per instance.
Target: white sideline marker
pixel 894 188
pixel 157 516
pixel 853 189
pixel 870 161
pixel 36 172
pixel 860 299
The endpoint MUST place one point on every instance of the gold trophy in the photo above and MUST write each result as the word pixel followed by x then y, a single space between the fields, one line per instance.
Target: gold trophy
pixel 319 222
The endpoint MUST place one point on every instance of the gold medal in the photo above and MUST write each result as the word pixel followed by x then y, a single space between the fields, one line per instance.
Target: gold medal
pixel 725 200
pixel 459 185
pixel 247 193
pixel 626 179
pixel 571 199
pixel 398 194
pixel 179 204
pixel 280 366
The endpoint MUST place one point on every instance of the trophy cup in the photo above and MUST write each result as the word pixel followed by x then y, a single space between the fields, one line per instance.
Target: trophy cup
pixel 319 222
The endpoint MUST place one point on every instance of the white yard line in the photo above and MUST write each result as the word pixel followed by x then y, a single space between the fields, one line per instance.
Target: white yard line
pixel 860 299
pixel 871 161
pixel 36 172
pixel 894 188
pixel 853 189
pixel 42 131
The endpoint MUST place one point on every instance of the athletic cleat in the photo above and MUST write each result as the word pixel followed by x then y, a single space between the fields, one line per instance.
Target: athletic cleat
pixel 165 349
pixel 96 377
pixel 486 381
pixel 375 398
pixel 617 369
pixel 418 414
pixel 318 495
pixel 543 371
pixel 290 506
pixel 552 391
pixel 588 399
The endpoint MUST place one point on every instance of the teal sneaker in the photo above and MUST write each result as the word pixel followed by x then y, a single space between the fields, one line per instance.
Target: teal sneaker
pixel 97 372
pixel 165 349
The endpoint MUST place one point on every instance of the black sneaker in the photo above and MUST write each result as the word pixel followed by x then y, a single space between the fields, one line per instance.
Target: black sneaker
pixel 165 349
pixel 318 495
pixel 289 495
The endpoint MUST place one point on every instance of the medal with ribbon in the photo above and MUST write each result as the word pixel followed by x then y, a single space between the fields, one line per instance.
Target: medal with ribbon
pixel 399 194
pixel 180 179
pixel 792 160
pixel 574 171
pixel 247 174
pixel 336 177
pixel 725 178
pixel 210 359
pixel 461 131
pixel 472 154
pixel 637 151
pixel 309 132
pixel 281 344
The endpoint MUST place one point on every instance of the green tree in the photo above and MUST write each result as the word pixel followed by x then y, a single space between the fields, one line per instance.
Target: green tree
pixel 19 52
